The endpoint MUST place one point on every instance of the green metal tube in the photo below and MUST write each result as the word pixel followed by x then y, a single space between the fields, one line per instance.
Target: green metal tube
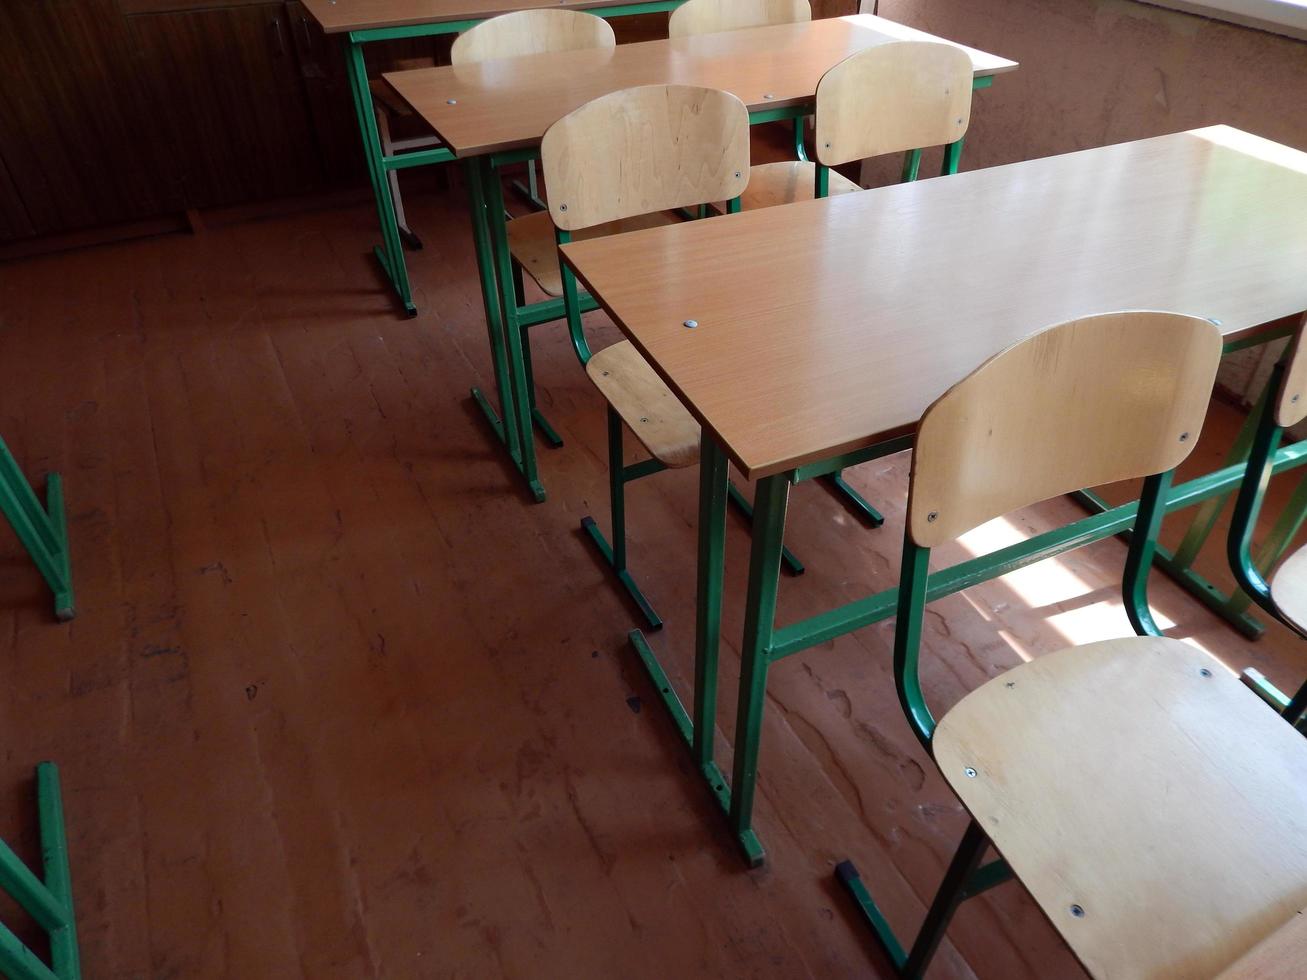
pixel 29 892
pixel 1139 557
pixel 792 639
pixel 571 303
pixel 951 892
pixel 1248 502
pixel 1204 519
pixel 1276 543
pixel 491 305
pixel 822 181
pixel 952 158
pixel 64 602
pixel 391 245
pixel 17 962
pixel 911 166
pixel 58 878
pixel 770 503
pixel 616 490
pixel 503 272
pixel 713 483
pixel 913 578
pixel 800 150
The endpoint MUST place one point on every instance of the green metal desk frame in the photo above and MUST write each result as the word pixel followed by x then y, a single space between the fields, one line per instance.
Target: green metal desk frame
pixel 41 528
pixel 49 902
pixel 765 642
pixel 507 319
pixel 390 253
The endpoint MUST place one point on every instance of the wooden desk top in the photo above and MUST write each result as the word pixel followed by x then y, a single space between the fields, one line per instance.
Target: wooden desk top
pixel 509 103
pixel 826 326
pixel 339 16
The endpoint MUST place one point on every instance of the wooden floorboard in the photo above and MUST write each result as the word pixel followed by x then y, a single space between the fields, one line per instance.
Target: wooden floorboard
pixel 340 702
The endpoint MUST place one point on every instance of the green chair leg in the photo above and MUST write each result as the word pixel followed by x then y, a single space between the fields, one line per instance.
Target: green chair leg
pixel 49 902
pixel 614 555
pixel 964 879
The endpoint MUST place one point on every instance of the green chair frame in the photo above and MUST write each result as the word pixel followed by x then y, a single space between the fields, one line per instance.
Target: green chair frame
pixel 41 528
pixel 1248 504
pixel 49 902
pixel 966 876
pixel 620 474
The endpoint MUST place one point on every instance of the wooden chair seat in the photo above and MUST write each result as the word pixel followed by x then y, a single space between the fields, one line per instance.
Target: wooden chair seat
pixel 635 391
pixel 1289 589
pixel 771 184
pixel 385 96
pixel 1153 806
pixel 532 243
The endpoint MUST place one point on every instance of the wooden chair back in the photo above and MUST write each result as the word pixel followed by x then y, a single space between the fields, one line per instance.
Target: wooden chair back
pixel 894 97
pixel 1091 401
pixel 1291 408
pixel 710 16
pixel 523 32
pixel 646 149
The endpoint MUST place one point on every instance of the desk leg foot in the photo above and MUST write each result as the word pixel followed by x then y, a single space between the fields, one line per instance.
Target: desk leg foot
pixel 411 241
pixel 497 426
pixel 855 501
pixel 789 560
pixel 379 253
pixel 492 416
pixel 754 854
pixel 623 575
pixel 64 606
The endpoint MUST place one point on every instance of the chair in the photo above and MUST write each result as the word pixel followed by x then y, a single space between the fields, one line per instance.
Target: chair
pixel 896 97
pixel 506 36
pixel 1149 803
pixel 713 16
pixel 388 107
pixel 1285 595
pixel 619 162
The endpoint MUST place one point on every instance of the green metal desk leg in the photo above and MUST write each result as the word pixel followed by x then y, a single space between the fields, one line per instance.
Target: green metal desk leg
pixel 390 253
pixel 49 902
pixel 770 502
pixel 502 270
pixel 505 428
pixel 42 530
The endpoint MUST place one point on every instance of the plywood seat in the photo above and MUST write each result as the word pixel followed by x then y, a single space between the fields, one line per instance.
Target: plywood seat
pixel 786 182
pixel 646 404
pixel 387 97
pixel 532 243
pixel 1153 806
pixel 1289 589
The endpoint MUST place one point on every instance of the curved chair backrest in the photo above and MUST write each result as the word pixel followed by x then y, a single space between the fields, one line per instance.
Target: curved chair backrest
pixel 894 97
pixel 1091 401
pixel 711 16
pixel 531 32
pixel 646 149
pixel 1291 408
